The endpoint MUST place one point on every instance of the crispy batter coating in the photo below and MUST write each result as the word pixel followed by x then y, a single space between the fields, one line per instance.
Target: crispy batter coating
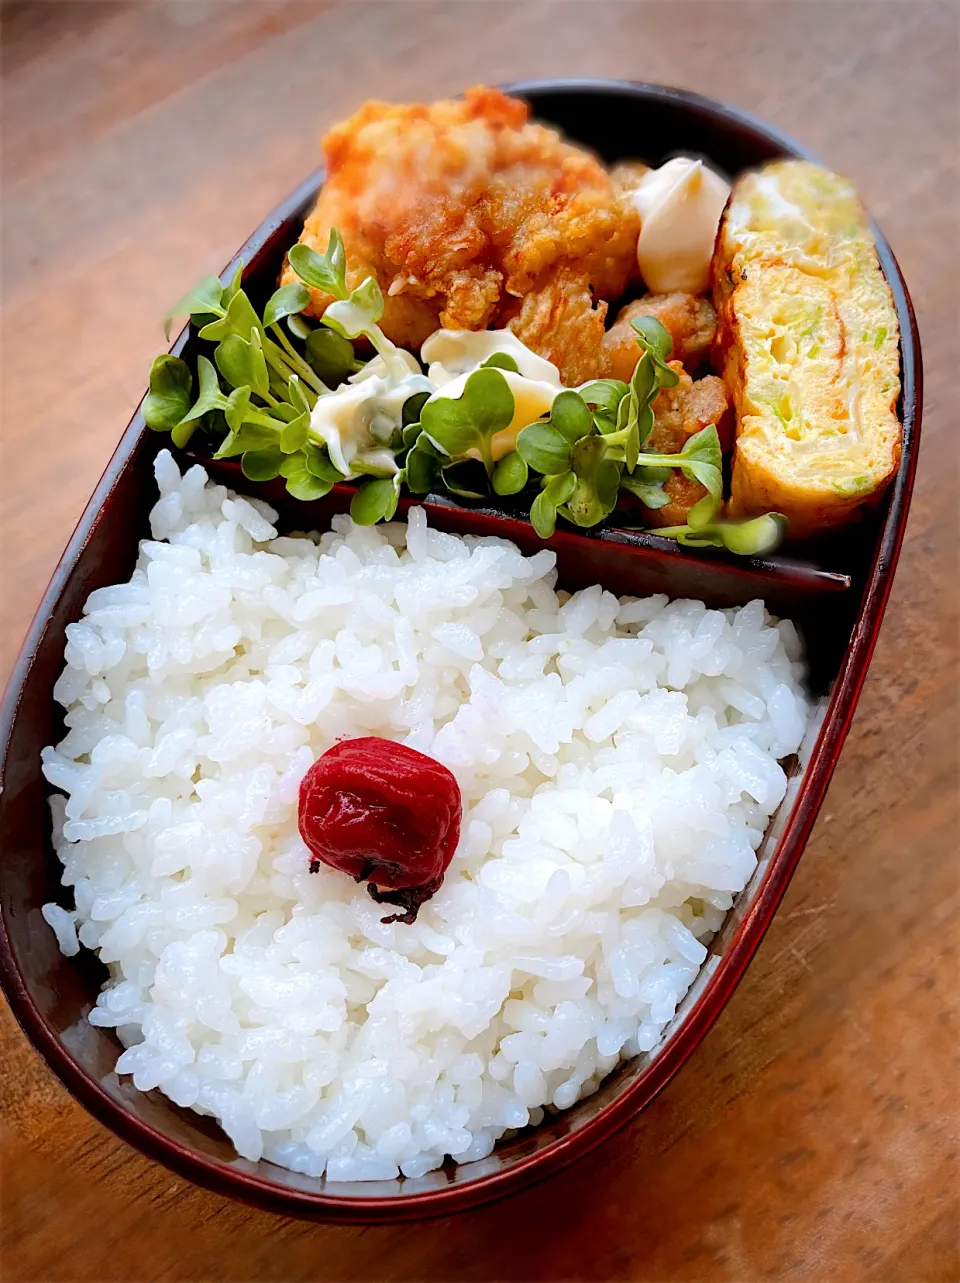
pixel 463 206
pixel 691 323
pixel 626 174
pixel 561 322
pixel 687 408
pixel 679 413
pixel 684 493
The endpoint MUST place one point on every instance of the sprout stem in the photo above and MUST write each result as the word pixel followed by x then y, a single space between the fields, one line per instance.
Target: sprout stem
pixel 302 368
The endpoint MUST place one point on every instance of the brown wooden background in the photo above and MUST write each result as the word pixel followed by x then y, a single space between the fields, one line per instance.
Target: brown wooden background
pixel 813 1136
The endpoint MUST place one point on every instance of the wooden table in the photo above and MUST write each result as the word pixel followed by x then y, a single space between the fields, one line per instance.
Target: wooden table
pixel 812 1136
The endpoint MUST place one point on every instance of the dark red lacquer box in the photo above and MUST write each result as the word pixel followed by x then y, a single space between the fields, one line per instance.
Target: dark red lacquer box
pixel 835 593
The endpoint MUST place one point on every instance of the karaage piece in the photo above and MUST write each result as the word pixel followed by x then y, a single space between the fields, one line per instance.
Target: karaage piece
pixel 679 413
pixel 562 322
pixel 691 323
pixel 463 207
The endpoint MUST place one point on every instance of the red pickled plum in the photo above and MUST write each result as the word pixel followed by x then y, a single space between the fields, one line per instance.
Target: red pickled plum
pixel 385 814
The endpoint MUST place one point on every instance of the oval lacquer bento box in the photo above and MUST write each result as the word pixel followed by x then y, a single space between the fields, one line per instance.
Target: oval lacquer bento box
pixel 835 593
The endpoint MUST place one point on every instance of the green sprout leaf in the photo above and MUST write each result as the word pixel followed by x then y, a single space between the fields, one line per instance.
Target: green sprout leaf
pixel 309 473
pixel 644 380
pixel 305 486
pixel 298 396
pixel 261 465
pixel 319 464
pixel 247 436
pixel 237 407
pixel 330 355
pixel 571 417
pixel 626 411
pixel 510 475
pixel 376 500
pixel 368 297
pixel 500 361
pixel 545 448
pixel 422 467
pixel 291 465
pixel 210 396
pixel 755 537
pixel 410 415
pixel 286 301
pixel 543 512
pixel 651 494
pixel 653 337
pixel 337 257
pixel 327 271
pixel 634 419
pixel 351 314
pixel 229 446
pixel 169 397
pixel 700 460
pixel 703 511
pixel 293 437
pixel 704 447
pixel 623 413
pixel 181 434
pixel 241 362
pixel 559 489
pixel 628 427
pixel 469 422
pixel 232 286
pixel 597 482
pixel 631 447
pixel 204 299
pixel 239 318
pixel 645 421
pixel 411 432
pixel 543 516
pixel 358 315
pixel 655 340
pixel 348 320
pixel 604 394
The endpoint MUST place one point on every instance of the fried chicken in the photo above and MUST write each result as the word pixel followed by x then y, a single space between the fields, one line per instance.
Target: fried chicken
pixel 561 322
pixel 679 413
pixel 691 323
pixel 462 208
pixel 626 175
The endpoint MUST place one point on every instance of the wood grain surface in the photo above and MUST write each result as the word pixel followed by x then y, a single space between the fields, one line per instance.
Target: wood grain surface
pixel 813 1136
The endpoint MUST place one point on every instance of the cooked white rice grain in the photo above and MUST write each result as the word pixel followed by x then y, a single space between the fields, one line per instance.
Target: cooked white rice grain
pixel 618 762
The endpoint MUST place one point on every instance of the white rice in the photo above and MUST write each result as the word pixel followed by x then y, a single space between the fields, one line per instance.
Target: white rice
pixel 618 765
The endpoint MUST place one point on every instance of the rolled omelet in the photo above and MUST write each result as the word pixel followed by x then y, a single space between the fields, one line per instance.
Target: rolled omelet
pixel 809 346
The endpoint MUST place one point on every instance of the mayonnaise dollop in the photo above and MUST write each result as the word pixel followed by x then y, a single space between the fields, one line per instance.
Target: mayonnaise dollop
pixel 358 419
pixel 452 356
pixel 449 353
pixel 680 206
